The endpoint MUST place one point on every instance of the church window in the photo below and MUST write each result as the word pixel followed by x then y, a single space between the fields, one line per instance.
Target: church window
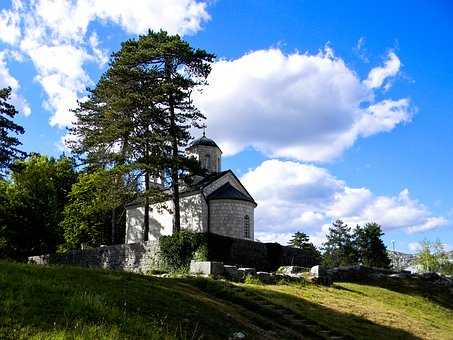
pixel 207 158
pixel 246 226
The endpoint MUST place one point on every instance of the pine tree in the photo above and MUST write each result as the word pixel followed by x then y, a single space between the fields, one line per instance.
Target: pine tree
pixel 299 240
pixel 339 248
pixel 371 251
pixel 141 111
pixel 302 241
pixel 9 153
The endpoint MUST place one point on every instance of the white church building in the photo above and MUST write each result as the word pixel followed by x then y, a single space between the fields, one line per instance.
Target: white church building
pixel 217 202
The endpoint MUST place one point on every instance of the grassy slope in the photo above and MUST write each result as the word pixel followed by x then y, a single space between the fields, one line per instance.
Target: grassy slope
pixel 363 310
pixel 62 302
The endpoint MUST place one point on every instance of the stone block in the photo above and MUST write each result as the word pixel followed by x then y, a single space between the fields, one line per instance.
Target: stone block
pixel 247 271
pixel 264 277
pixel 206 267
pixel 292 270
pixel 231 272
pixel 318 271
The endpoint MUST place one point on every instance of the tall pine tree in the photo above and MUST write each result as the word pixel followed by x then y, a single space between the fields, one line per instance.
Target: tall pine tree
pixel 339 248
pixel 371 251
pixel 141 111
pixel 9 152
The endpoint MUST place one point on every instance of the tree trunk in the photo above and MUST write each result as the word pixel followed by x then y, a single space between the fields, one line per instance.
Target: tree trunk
pixel 175 154
pixel 174 171
pixel 146 217
pixel 175 180
pixel 113 226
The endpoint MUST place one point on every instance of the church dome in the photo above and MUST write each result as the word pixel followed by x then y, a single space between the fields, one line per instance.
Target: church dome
pixel 204 141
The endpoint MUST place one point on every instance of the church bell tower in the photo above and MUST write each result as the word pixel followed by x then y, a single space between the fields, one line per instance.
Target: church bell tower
pixel 207 152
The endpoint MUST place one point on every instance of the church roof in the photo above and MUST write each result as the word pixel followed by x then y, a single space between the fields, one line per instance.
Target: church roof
pixel 224 192
pixel 209 178
pixel 205 141
pixel 227 191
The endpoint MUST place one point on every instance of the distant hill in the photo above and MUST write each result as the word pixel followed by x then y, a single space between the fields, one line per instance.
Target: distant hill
pixel 75 303
pixel 401 261
pixel 404 261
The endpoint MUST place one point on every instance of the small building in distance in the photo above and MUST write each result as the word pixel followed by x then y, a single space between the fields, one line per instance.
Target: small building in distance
pixel 216 202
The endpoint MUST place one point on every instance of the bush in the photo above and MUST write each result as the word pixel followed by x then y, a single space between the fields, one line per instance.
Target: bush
pixel 431 257
pixel 252 280
pixel 177 250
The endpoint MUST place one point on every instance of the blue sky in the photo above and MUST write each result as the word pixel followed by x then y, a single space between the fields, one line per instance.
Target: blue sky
pixel 325 109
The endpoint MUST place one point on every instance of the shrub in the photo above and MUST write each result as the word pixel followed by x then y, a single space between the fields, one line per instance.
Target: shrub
pixel 252 280
pixel 177 250
pixel 431 257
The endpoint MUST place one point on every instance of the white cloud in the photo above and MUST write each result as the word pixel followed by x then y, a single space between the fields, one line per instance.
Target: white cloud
pixel 300 106
pixel 379 75
pixel 293 197
pixel 360 50
pixel 56 36
pixel 6 79
pixel 430 223
pixel 9 23
pixel 414 247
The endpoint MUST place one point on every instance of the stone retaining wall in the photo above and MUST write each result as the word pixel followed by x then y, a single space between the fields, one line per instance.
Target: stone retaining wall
pixel 135 257
pixel 262 256
pixel 144 256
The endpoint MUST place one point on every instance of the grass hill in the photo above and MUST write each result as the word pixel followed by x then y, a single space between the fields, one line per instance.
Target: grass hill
pixel 63 302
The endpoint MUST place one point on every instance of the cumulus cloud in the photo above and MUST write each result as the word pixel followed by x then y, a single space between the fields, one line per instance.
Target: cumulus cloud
pixel 7 80
pixel 379 75
pixel 306 197
pixel 9 23
pixel 414 247
pixel 300 106
pixel 56 36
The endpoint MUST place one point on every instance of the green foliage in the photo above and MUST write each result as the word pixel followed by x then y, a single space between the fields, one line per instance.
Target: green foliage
pixel 9 153
pixel 370 249
pixel 177 250
pixel 143 106
pixel 339 248
pixel 302 241
pixel 201 254
pixel 362 245
pixel 432 257
pixel 88 214
pixel 299 240
pixel 32 205
pixel 252 280
pixel 447 268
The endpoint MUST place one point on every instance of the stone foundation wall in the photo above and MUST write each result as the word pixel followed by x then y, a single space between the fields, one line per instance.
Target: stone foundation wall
pixel 135 257
pixel 262 256
pixel 144 256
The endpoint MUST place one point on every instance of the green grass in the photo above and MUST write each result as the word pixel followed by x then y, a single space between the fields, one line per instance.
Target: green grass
pixel 381 310
pixel 74 303
pixel 63 302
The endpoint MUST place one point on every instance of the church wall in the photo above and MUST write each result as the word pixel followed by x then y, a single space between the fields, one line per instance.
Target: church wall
pixel 192 213
pixel 227 217
pixel 161 220
pixel 201 151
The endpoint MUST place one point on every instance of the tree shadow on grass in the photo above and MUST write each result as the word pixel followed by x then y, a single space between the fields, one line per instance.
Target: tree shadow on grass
pixel 67 302
pixel 439 295
pixel 346 325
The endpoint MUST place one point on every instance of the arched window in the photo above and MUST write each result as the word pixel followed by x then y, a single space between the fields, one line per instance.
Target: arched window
pixel 207 160
pixel 246 226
